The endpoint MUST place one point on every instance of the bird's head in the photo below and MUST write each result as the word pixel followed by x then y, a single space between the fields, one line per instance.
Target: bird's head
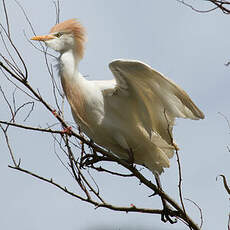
pixel 64 36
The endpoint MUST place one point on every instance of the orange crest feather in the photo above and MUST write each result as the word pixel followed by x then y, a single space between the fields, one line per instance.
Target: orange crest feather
pixel 74 27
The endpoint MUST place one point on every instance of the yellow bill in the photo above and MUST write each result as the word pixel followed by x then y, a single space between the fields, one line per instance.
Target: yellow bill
pixel 43 37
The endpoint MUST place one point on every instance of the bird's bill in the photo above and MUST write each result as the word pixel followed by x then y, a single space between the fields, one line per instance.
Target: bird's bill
pixel 43 38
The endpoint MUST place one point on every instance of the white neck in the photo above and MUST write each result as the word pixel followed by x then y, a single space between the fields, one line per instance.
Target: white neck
pixel 68 62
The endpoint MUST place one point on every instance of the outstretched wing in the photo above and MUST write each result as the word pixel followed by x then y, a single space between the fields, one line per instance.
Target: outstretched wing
pixel 156 100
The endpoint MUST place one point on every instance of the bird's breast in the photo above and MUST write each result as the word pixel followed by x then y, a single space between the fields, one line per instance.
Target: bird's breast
pixel 75 98
pixel 86 103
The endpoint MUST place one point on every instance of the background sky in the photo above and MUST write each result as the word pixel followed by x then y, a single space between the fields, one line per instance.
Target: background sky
pixel 188 47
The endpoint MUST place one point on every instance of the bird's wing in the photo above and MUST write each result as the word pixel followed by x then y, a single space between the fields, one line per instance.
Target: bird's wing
pixel 156 101
pixel 105 85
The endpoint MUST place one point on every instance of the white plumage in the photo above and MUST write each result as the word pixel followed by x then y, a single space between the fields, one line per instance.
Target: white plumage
pixel 134 113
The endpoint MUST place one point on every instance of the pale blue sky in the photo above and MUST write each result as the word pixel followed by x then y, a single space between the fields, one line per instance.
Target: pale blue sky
pixel 189 48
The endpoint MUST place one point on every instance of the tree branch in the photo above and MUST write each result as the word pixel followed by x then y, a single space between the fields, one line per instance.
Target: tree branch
pixel 223 5
pixel 96 204
pixel 227 188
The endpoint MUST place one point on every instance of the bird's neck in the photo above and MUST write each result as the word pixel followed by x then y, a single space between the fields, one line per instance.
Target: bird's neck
pixel 72 82
pixel 68 62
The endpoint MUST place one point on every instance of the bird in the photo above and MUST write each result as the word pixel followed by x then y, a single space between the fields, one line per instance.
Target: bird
pixel 131 115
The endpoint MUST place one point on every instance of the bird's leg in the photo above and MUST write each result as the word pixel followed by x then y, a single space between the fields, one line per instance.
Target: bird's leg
pixel 165 216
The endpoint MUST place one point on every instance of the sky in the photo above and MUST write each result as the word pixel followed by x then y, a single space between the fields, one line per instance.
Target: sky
pixel 188 47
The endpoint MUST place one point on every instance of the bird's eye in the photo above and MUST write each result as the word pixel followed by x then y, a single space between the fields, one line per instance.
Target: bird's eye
pixel 58 35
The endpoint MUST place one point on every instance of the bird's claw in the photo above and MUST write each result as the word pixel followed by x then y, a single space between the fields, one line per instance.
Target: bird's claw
pixel 85 160
pixel 89 159
pixel 167 214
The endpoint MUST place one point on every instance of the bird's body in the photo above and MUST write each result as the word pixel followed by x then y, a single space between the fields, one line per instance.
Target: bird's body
pixel 134 113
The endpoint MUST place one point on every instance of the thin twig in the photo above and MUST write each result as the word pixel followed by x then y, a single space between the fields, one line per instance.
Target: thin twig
pixel 57 9
pixel 227 188
pixel 96 204
pixel 195 9
pixel 59 158
pixel 218 5
pixel 7 102
pixel 229 221
pixel 100 169
pixel 178 163
pixel 31 127
pixel 6 17
pixel 25 76
pixel 200 210
pixel 9 147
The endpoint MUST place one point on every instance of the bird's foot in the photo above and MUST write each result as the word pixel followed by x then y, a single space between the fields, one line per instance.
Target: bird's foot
pixel 168 213
pixel 87 159
pixel 67 130
pixel 90 159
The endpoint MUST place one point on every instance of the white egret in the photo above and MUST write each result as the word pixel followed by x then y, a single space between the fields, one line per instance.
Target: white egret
pixel 132 115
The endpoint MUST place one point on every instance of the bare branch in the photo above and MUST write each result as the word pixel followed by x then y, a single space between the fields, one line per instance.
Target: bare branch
pixel 227 188
pixel 229 222
pixel 57 9
pixel 223 5
pixel 226 119
pixel 7 102
pixel 32 128
pixel 12 44
pixel 200 210
pixel 6 17
pixel 100 169
pixel 178 163
pixel 195 9
pixel 96 204
pixel 9 147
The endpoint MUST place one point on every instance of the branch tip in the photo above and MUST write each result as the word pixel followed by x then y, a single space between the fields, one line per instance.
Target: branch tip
pixel 227 188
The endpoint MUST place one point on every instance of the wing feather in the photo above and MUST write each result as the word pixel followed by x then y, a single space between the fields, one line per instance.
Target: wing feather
pixel 158 100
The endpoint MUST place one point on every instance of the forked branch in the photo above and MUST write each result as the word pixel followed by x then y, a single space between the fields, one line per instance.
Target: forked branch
pixel 222 5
